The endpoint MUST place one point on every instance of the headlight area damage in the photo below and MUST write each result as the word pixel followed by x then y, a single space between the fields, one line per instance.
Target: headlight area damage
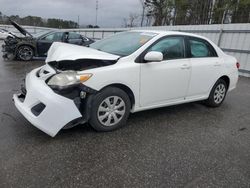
pixel 55 96
pixel 70 84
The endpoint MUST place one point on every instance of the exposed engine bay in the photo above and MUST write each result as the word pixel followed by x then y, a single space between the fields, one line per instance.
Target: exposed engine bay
pixel 80 64
pixel 11 43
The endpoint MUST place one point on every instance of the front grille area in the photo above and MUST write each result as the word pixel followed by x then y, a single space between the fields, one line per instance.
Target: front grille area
pixel 37 109
pixel 42 72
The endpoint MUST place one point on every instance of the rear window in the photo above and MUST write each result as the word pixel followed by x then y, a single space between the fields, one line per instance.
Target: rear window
pixel 201 48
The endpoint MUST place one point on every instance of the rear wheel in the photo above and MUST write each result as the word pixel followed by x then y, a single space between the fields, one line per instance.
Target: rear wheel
pixel 217 94
pixel 110 109
pixel 25 53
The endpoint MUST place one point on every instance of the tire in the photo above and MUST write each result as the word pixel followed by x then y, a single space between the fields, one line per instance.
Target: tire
pixel 217 94
pixel 25 53
pixel 107 116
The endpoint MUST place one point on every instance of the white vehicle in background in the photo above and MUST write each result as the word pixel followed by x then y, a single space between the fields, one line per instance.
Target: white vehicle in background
pixel 125 73
pixel 4 33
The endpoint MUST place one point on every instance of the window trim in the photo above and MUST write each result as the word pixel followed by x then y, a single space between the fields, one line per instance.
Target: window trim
pixel 210 47
pixel 51 33
pixel 140 58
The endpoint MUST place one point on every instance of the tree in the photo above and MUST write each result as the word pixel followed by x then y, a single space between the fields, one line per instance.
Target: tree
pixel 132 19
pixel 143 5
pixel 220 7
pixel 199 12
pixel 241 11
pixel 38 21
pixel 179 12
pixel 1 18
pixel 156 9
pixel 125 22
pixel 181 9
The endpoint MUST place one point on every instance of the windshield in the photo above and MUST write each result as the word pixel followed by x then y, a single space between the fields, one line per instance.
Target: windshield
pixel 123 44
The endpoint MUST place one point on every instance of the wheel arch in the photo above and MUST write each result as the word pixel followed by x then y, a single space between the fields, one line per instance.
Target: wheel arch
pixel 126 89
pixel 226 79
pixel 210 100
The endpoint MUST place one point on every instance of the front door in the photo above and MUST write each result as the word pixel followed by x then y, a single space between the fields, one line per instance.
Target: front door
pixel 45 42
pixel 166 81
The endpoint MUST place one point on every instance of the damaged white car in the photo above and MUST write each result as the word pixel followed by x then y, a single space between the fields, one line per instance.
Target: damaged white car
pixel 128 72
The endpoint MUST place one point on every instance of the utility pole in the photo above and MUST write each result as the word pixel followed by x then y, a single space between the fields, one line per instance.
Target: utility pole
pixel 78 20
pixel 96 13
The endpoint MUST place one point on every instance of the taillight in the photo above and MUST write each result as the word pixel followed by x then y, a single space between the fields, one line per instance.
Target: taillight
pixel 238 65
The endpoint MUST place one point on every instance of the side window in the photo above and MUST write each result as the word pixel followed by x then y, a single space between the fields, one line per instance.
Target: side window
pixel 49 37
pixel 170 47
pixel 54 37
pixel 58 36
pixel 73 35
pixel 201 48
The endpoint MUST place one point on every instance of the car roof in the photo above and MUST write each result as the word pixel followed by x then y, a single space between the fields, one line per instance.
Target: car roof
pixel 162 32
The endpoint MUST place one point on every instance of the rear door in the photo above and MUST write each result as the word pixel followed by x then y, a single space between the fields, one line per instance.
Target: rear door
pixel 206 67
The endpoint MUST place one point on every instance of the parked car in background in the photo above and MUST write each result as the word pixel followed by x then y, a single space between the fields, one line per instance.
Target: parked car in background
pixel 128 72
pixel 37 45
pixel 4 33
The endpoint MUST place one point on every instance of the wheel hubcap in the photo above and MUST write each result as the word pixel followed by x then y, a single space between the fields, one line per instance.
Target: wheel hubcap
pixel 111 111
pixel 219 93
pixel 25 53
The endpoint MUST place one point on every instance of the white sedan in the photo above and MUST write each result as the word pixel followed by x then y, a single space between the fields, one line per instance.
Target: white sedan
pixel 125 73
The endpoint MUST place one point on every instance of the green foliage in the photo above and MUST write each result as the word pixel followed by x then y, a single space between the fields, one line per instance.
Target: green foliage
pixel 58 23
pixel 38 21
pixel 179 12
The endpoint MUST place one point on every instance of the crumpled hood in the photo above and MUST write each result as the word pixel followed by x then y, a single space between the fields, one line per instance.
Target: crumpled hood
pixel 62 51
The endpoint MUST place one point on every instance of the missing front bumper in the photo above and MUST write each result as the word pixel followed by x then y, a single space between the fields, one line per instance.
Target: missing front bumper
pixel 58 111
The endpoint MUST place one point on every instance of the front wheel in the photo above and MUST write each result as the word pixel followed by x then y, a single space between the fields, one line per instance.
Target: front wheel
pixel 217 94
pixel 110 109
pixel 25 53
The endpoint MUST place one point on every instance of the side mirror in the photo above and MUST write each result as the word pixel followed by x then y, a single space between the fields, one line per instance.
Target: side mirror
pixel 84 39
pixel 153 56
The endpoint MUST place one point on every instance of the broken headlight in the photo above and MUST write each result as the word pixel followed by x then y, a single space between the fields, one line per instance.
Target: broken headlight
pixel 68 78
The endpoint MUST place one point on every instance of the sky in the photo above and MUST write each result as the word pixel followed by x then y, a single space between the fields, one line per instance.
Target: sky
pixel 111 13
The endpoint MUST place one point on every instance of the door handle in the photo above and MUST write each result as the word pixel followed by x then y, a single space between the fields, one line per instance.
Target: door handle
pixel 185 66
